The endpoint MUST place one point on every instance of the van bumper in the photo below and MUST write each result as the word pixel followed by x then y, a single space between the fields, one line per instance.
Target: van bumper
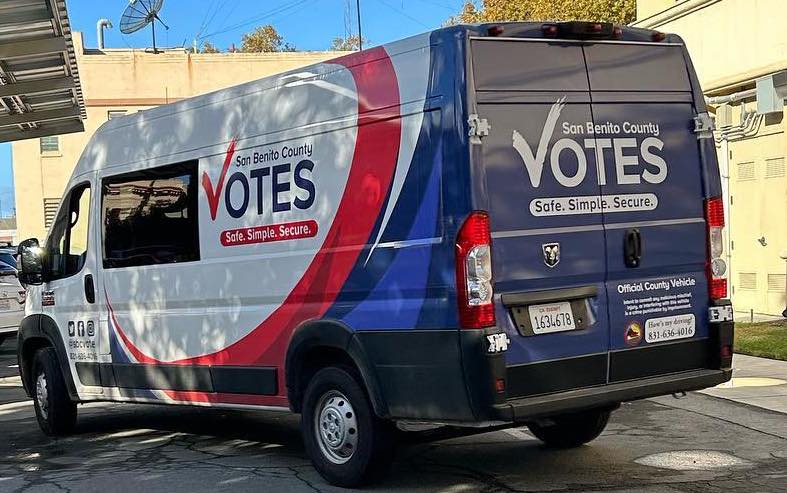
pixel 529 408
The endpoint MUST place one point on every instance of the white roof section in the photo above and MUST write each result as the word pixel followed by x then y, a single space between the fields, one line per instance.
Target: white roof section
pixel 40 93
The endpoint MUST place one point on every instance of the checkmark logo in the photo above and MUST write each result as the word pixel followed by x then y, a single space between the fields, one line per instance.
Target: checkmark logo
pixel 214 194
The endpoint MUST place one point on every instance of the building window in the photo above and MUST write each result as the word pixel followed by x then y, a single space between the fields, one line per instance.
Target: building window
pixel 747 280
pixel 774 168
pixel 150 217
pixel 777 283
pixel 66 245
pixel 115 113
pixel 746 171
pixel 50 144
pixel 50 209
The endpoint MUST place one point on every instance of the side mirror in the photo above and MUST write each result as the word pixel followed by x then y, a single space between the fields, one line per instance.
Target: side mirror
pixel 31 262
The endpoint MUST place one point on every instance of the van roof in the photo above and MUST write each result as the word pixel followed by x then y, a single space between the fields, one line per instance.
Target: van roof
pixel 166 132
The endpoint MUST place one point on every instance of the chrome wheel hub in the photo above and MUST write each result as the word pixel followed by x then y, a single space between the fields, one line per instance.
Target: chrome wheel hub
pixel 336 427
pixel 42 395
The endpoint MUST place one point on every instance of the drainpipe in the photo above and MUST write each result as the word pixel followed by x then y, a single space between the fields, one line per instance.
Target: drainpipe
pixel 784 257
pixel 100 25
pixel 724 168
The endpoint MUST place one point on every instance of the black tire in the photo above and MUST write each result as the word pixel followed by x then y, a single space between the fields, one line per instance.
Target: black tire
pixel 56 412
pixel 572 430
pixel 370 456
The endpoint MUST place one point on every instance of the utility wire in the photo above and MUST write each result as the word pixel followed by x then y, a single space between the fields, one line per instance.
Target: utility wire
pixel 251 20
pixel 403 13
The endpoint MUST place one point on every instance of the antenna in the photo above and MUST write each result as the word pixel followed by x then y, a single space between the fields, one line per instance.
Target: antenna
pixel 140 13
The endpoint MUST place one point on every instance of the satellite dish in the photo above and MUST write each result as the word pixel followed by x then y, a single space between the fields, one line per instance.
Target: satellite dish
pixel 140 13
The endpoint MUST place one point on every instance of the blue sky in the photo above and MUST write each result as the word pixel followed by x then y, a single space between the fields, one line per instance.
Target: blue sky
pixel 307 24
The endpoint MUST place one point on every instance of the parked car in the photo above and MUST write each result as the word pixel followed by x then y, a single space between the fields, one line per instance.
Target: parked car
pixel 8 255
pixel 12 300
pixel 501 224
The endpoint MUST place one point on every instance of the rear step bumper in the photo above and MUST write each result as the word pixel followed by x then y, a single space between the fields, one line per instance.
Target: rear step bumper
pixel 529 408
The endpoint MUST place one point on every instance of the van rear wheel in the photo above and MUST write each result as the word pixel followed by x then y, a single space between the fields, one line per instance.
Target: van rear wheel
pixel 346 442
pixel 572 430
pixel 56 412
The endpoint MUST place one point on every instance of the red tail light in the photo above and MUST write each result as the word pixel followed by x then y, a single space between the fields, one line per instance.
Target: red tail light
pixel 474 272
pixel 717 267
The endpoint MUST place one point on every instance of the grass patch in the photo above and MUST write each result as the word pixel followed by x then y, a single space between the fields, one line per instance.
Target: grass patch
pixel 766 340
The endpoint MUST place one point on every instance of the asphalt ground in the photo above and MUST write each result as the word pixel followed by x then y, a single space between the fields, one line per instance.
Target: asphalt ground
pixel 698 443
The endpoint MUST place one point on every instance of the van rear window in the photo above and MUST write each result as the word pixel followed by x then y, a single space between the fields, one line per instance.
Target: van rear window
pixel 150 217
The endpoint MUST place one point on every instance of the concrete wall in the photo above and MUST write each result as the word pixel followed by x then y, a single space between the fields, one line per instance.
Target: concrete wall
pixel 729 40
pixel 732 42
pixel 130 80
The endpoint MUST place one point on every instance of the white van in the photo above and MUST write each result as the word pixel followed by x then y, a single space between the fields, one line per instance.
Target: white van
pixel 509 224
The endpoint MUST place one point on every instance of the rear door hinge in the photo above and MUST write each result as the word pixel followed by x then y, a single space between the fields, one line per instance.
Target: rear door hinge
pixel 479 127
pixel 703 126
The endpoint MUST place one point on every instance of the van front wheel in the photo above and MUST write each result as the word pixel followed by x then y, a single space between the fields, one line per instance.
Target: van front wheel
pixel 56 412
pixel 347 443
pixel 572 430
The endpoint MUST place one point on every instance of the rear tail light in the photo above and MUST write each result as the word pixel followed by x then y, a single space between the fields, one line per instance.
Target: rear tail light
pixel 474 272
pixel 717 267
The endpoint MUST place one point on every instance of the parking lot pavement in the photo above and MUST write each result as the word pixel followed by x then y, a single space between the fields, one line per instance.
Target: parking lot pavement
pixel 705 444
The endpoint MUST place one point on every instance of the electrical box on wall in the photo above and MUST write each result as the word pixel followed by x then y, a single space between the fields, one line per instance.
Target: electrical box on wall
pixel 771 92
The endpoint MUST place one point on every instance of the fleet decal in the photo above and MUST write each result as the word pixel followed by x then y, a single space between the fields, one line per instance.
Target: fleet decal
pixel 271 185
pixel 632 144
pixel 213 194
pixel 660 308
pixel 373 165
pixel 81 341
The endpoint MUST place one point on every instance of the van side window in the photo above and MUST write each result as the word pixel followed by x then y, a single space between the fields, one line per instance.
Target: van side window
pixel 150 217
pixel 67 242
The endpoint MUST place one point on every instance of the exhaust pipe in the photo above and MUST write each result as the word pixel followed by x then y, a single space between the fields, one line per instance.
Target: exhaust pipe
pixel 100 25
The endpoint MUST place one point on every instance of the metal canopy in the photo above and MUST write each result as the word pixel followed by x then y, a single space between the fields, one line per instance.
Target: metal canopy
pixel 40 94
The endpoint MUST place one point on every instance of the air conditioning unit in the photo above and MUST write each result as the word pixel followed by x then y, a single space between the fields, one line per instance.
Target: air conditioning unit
pixel 771 92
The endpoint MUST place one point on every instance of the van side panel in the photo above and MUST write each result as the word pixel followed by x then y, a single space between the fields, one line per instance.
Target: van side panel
pixel 338 219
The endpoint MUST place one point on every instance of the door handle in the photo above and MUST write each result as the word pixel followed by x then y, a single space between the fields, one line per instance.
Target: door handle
pixel 632 247
pixel 90 289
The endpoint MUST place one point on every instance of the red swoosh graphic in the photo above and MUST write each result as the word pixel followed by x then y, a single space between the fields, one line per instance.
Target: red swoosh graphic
pixel 373 165
pixel 213 195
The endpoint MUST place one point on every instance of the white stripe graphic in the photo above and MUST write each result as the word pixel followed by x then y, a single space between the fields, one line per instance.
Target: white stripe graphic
pixel 411 64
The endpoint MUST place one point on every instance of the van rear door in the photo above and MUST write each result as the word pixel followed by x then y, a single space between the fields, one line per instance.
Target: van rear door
pixel 653 191
pixel 538 181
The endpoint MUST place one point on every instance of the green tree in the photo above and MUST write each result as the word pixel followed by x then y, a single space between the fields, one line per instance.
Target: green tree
pixel 264 39
pixel 618 11
pixel 350 43
pixel 208 47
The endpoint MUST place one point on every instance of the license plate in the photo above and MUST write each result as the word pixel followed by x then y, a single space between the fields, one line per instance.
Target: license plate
pixel 669 328
pixel 551 317
pixel 5 305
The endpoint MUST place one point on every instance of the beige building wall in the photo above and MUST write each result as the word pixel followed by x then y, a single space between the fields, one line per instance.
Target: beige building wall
pixel 732 43
pixel 129 81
